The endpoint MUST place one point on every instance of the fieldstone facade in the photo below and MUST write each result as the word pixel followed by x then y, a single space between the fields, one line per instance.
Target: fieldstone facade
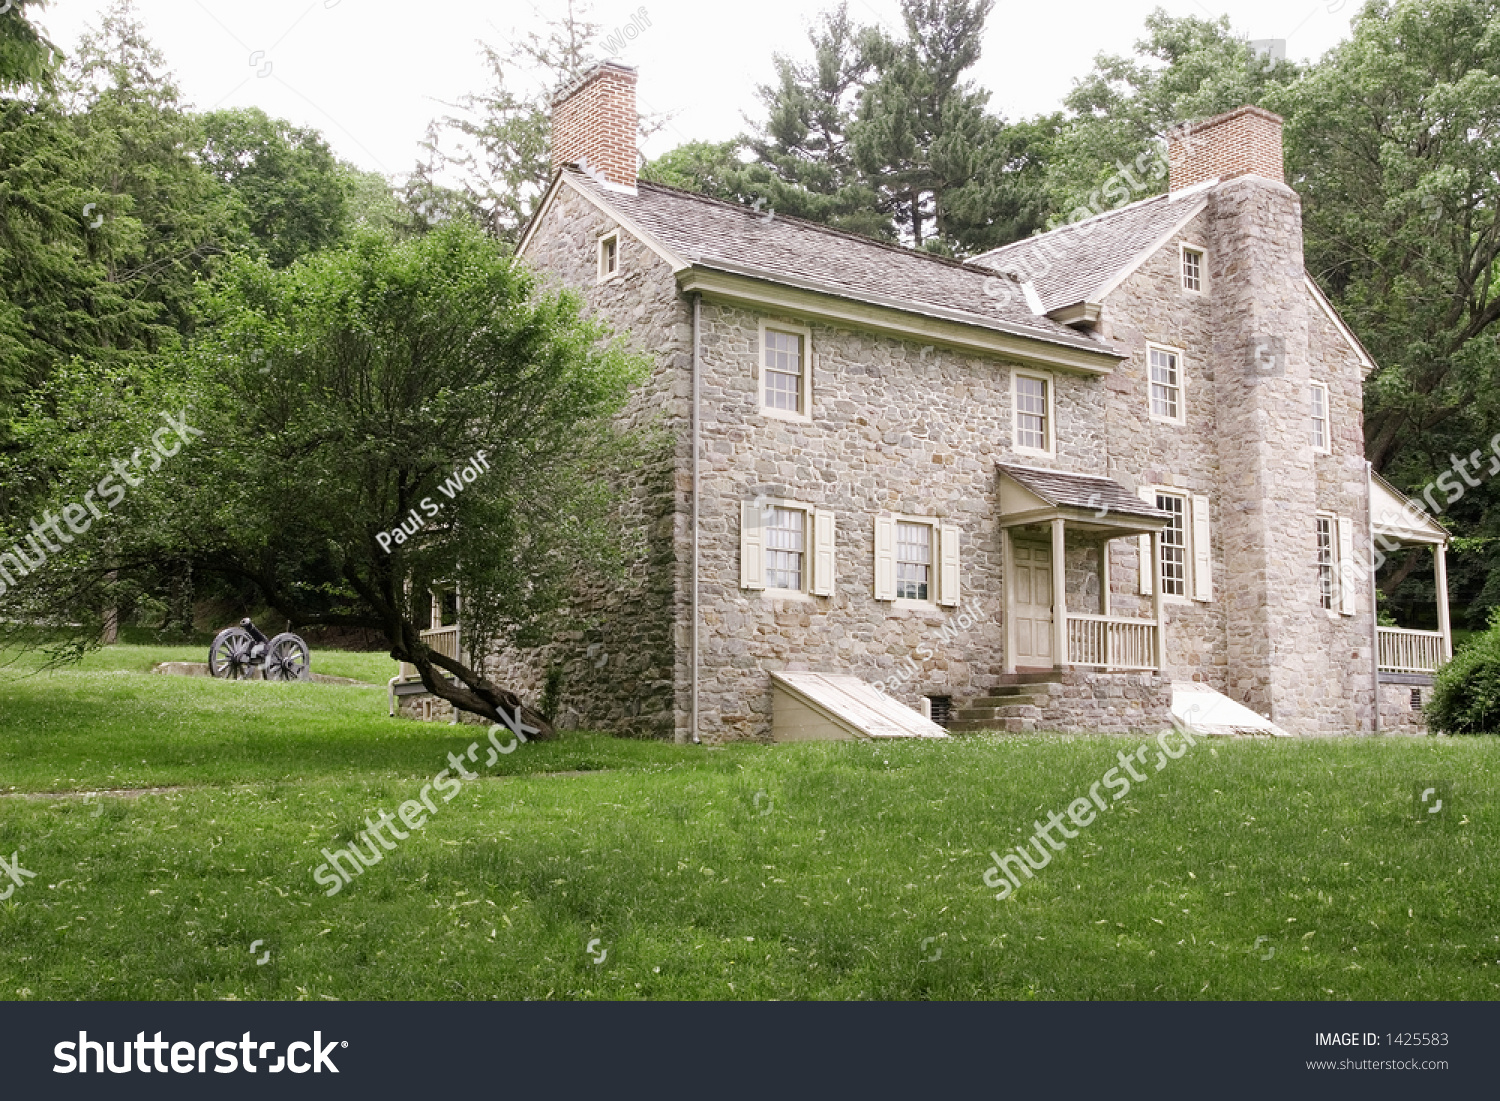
pixel 907 424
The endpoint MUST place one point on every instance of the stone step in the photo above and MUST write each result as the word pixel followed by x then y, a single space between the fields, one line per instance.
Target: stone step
pixel 1005 708
pixel 999 726
pixel 1005 680
pixel 1002 698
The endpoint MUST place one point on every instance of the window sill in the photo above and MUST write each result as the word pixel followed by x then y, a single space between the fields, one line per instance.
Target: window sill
pixel 1033 453
pixel 906 607
pixel 795 595
pixel 784 415
pixel 603 279
pixel 1177 422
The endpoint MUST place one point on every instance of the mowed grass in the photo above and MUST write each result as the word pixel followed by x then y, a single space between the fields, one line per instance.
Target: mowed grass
pixel 602 868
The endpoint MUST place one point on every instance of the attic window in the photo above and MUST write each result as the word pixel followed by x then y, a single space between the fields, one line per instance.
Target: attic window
pixel 1192 269
pixel 609 256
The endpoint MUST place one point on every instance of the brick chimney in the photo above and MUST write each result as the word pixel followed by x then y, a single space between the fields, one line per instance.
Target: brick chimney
pixel 1242 142
pixel 594 123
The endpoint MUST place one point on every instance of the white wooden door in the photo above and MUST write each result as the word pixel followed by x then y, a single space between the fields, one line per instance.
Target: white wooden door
pixel 1031 604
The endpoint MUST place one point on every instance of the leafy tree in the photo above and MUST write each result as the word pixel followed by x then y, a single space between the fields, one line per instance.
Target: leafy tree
pixel 285 177
pixel 336 400
pixel 26 56
pixel 1185 68
pixel 1391 142
pixel 709 168
pixel 804 164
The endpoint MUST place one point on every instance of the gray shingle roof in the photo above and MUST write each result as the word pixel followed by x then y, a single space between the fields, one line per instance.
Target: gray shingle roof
pixel 710 233
pixel 1074 262
pixel 1080 491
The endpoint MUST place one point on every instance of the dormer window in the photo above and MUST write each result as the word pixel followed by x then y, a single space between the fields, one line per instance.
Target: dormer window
pixel 1192 269
pixel 609 256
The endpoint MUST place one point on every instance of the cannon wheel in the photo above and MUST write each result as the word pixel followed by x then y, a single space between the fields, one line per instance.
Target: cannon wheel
pixel 229 656
pixel 287 658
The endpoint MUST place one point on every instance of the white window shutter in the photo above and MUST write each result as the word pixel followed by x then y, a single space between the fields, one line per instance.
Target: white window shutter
pixel 823 553
pixel 948 570
pixel 752 546
pixel 1203 559
pixel 885 557
pixel 1347 572
pixel 1148 495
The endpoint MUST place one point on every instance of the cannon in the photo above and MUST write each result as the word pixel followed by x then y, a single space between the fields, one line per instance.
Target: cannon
pixel 238 652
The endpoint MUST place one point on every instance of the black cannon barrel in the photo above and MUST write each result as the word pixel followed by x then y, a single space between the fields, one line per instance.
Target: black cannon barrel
pixel 254 631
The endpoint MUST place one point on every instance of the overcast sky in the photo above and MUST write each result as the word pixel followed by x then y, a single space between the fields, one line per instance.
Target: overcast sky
pixel 371 74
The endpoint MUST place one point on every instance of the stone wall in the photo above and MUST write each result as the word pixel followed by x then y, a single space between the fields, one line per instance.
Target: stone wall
pixel 623 663
pixel 1084 702
pixel 1397 716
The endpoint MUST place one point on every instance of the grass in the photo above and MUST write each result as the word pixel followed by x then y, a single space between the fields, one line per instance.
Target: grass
pixel 1247 869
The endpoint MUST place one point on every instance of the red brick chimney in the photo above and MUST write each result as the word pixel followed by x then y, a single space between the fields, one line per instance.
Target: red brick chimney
pixel 1242 142
pixel 594 123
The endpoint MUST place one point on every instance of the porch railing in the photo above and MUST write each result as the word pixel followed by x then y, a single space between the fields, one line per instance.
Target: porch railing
pixel 1405 651
pixel 442 639
pixel 1111 642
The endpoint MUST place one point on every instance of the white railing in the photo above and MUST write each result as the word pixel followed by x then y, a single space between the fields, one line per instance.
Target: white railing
pixel 444 640
pixel 1111 642
pixel 1403 651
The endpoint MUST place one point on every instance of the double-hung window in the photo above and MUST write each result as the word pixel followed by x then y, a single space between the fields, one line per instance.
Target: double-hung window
pixel 1325 561
pixel 786 548
pixel 1174 545
pixel 913 561
pixel 1317 398
pixel 1165 366
pixel 1032 394
pixel 1192 269
pixel 785 371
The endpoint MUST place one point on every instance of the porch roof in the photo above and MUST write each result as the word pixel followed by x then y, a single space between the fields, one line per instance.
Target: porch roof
pixel 1402 518
pixel 1031 494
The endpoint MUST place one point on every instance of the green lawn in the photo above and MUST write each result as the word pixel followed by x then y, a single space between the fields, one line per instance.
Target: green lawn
pixel 1246 869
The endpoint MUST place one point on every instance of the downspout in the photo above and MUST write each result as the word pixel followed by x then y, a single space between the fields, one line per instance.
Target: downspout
pixel 1374 602
pixel 696 434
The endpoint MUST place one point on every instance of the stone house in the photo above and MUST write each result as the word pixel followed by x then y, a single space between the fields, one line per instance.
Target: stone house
pixel 1035 489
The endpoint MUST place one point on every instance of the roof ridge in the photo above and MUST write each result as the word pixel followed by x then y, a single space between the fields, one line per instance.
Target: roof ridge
pixel 964 265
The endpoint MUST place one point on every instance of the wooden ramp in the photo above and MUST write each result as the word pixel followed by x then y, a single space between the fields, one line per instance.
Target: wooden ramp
pixel 832 706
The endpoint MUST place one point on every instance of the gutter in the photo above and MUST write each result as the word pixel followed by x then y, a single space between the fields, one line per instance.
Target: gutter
pixel 696 436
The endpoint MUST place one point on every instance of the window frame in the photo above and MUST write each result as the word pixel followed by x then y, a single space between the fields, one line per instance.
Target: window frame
pixel 807 551
pixel 1328 600
pixel 605 240
pixel 1326 447
pixel 804 333
pixel 1049 417
pixel 1186 596
pixel 1181 385
pixel 934 566
pixel 1183 248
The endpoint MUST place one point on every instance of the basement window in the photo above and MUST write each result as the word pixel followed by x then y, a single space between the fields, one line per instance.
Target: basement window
pixel 1416 699
pixel 940 710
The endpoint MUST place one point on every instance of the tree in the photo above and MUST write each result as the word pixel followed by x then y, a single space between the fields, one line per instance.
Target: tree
pixel 285 177
pixel 26 56
pixel 342 398
pixel 1186 68
pixel 708 168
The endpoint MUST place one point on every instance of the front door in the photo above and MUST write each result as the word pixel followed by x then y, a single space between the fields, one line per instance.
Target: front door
pixel 1031 604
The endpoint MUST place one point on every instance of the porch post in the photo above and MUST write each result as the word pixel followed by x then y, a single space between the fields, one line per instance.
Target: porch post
pixel 1059 595
pixel 1158 603
pixel 1008 569
pixel 1104 576
pixel 1440 562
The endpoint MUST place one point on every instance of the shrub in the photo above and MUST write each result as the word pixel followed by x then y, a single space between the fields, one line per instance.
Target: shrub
pixel 1466 695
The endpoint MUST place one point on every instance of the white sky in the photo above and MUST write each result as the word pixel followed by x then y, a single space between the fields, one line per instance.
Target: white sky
pixel 371 74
